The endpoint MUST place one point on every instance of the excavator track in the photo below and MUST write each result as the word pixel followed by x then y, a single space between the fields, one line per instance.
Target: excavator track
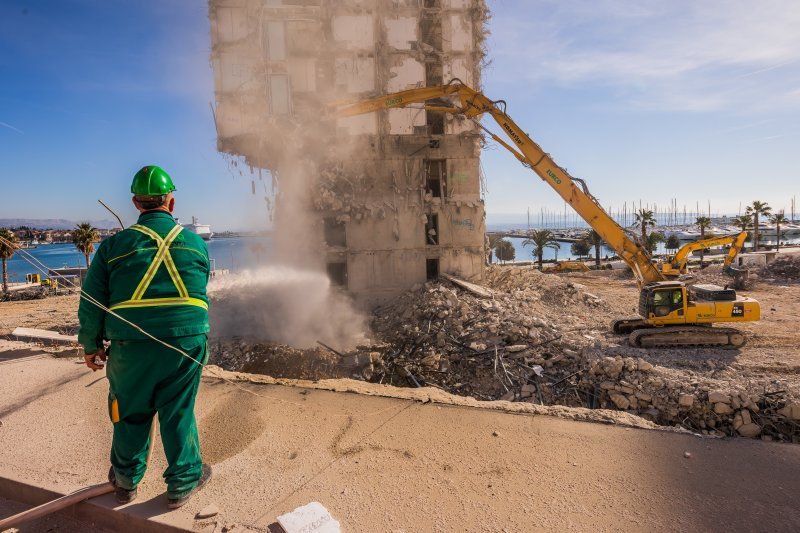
pixel 623 326
pixel 672 336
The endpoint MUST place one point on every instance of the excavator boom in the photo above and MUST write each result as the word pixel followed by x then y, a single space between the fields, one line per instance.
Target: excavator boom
pixel 667 314
pixel 473 104
pixel 677 265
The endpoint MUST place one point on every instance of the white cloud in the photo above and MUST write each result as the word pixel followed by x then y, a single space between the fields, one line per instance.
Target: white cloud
pixel 688 55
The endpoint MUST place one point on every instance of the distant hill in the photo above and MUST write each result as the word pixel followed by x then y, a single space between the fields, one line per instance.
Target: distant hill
pixel 53 223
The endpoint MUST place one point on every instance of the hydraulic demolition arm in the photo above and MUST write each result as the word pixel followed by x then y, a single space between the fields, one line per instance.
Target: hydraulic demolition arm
pixel 473 104
pixel 677 265
pixel 670 313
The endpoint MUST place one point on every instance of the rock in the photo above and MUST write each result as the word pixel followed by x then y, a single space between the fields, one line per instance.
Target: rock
pixel 737 420
pixel 619 400
pixel 516 348
pixel 686 400
pixel 722 408
pixel 643 365
pixel 749 430
pixel 612 366
pixel 746 418
pixel 509 396
pixel 643 396
pixel 625 390
pixel 718 397
pixel 528 387
pixel 687 455
pixel 207 512
pixel 791 411
pixel 495 434
pixel 608 385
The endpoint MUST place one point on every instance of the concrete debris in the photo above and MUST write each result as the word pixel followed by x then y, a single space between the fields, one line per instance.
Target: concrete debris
pixel 33 293
pixel 310 518
pixel 477 290
pixel 530 342
pixel 208 511
pixel 783 268
pixel 43 335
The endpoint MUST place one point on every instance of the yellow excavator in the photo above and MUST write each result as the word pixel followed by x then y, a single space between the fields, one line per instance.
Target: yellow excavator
pixel 676 265
pixel 670 312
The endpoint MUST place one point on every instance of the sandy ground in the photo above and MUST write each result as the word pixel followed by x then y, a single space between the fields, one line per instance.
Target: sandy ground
pixel 59 313
pixel 386 464
pixel 772 351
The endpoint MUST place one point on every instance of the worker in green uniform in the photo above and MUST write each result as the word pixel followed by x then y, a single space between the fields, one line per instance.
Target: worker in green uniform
pixel 152 274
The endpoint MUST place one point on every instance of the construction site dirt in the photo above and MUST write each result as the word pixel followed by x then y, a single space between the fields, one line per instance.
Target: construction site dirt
pixel 541 339
pixel 401 459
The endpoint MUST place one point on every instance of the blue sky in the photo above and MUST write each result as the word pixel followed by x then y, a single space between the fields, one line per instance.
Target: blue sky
pixel 646 100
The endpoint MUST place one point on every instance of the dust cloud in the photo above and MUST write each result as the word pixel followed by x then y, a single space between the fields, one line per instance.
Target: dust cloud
pixel 284 304
pixel 288 298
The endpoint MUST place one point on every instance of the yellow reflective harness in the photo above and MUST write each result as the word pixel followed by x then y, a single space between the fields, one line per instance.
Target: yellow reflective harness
pixel 164 256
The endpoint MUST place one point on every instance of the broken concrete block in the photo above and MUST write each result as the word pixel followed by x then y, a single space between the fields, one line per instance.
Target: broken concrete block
pixel 619 400
pixel 718 397
pixel 207 512
pixel 792 411
pixel 749 430
pixel 686 400
pixel 310 518
pixel 722 408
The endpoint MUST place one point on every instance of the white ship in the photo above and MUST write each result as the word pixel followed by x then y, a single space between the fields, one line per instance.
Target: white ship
pixel 203 230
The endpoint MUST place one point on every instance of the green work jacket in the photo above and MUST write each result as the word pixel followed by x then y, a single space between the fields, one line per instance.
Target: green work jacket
pixel 163 293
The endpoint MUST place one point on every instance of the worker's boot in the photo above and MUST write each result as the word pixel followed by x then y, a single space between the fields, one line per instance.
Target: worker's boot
pixel 174 503
pixel 123 495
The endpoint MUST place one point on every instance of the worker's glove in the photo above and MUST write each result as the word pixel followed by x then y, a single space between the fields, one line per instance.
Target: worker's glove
pixel 96 361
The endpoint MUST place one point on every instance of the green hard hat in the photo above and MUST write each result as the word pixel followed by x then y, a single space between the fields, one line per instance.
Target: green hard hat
pixel 152 181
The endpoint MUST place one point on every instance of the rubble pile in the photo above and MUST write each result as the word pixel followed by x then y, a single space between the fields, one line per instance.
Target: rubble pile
pixel 273 359
pixel 527 340
pixel 33 293
pixel 784 268
pixel 530 337
pixel 681 398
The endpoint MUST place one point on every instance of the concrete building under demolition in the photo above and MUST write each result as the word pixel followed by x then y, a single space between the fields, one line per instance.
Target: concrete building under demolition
pixel 396 196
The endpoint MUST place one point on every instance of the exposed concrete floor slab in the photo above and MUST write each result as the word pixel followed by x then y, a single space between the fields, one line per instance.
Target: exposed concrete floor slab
pixel 384 464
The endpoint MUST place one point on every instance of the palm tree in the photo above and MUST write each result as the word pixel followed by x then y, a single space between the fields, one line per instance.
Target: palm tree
pixel 83 237
pixel 594 239
pixel 743 221
pixel 757 209
pixel 644 218
pixel 778 219
pixel 541 239
pixel 7 248
pixel 703 223
pixel 494 240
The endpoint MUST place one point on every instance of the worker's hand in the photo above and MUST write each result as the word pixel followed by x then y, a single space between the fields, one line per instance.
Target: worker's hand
pixel 95 360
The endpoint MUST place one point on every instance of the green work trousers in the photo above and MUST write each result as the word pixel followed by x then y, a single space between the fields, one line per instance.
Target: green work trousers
pixel 146 378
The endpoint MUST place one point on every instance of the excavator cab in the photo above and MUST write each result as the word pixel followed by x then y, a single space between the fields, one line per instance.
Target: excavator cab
pixel 665 301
